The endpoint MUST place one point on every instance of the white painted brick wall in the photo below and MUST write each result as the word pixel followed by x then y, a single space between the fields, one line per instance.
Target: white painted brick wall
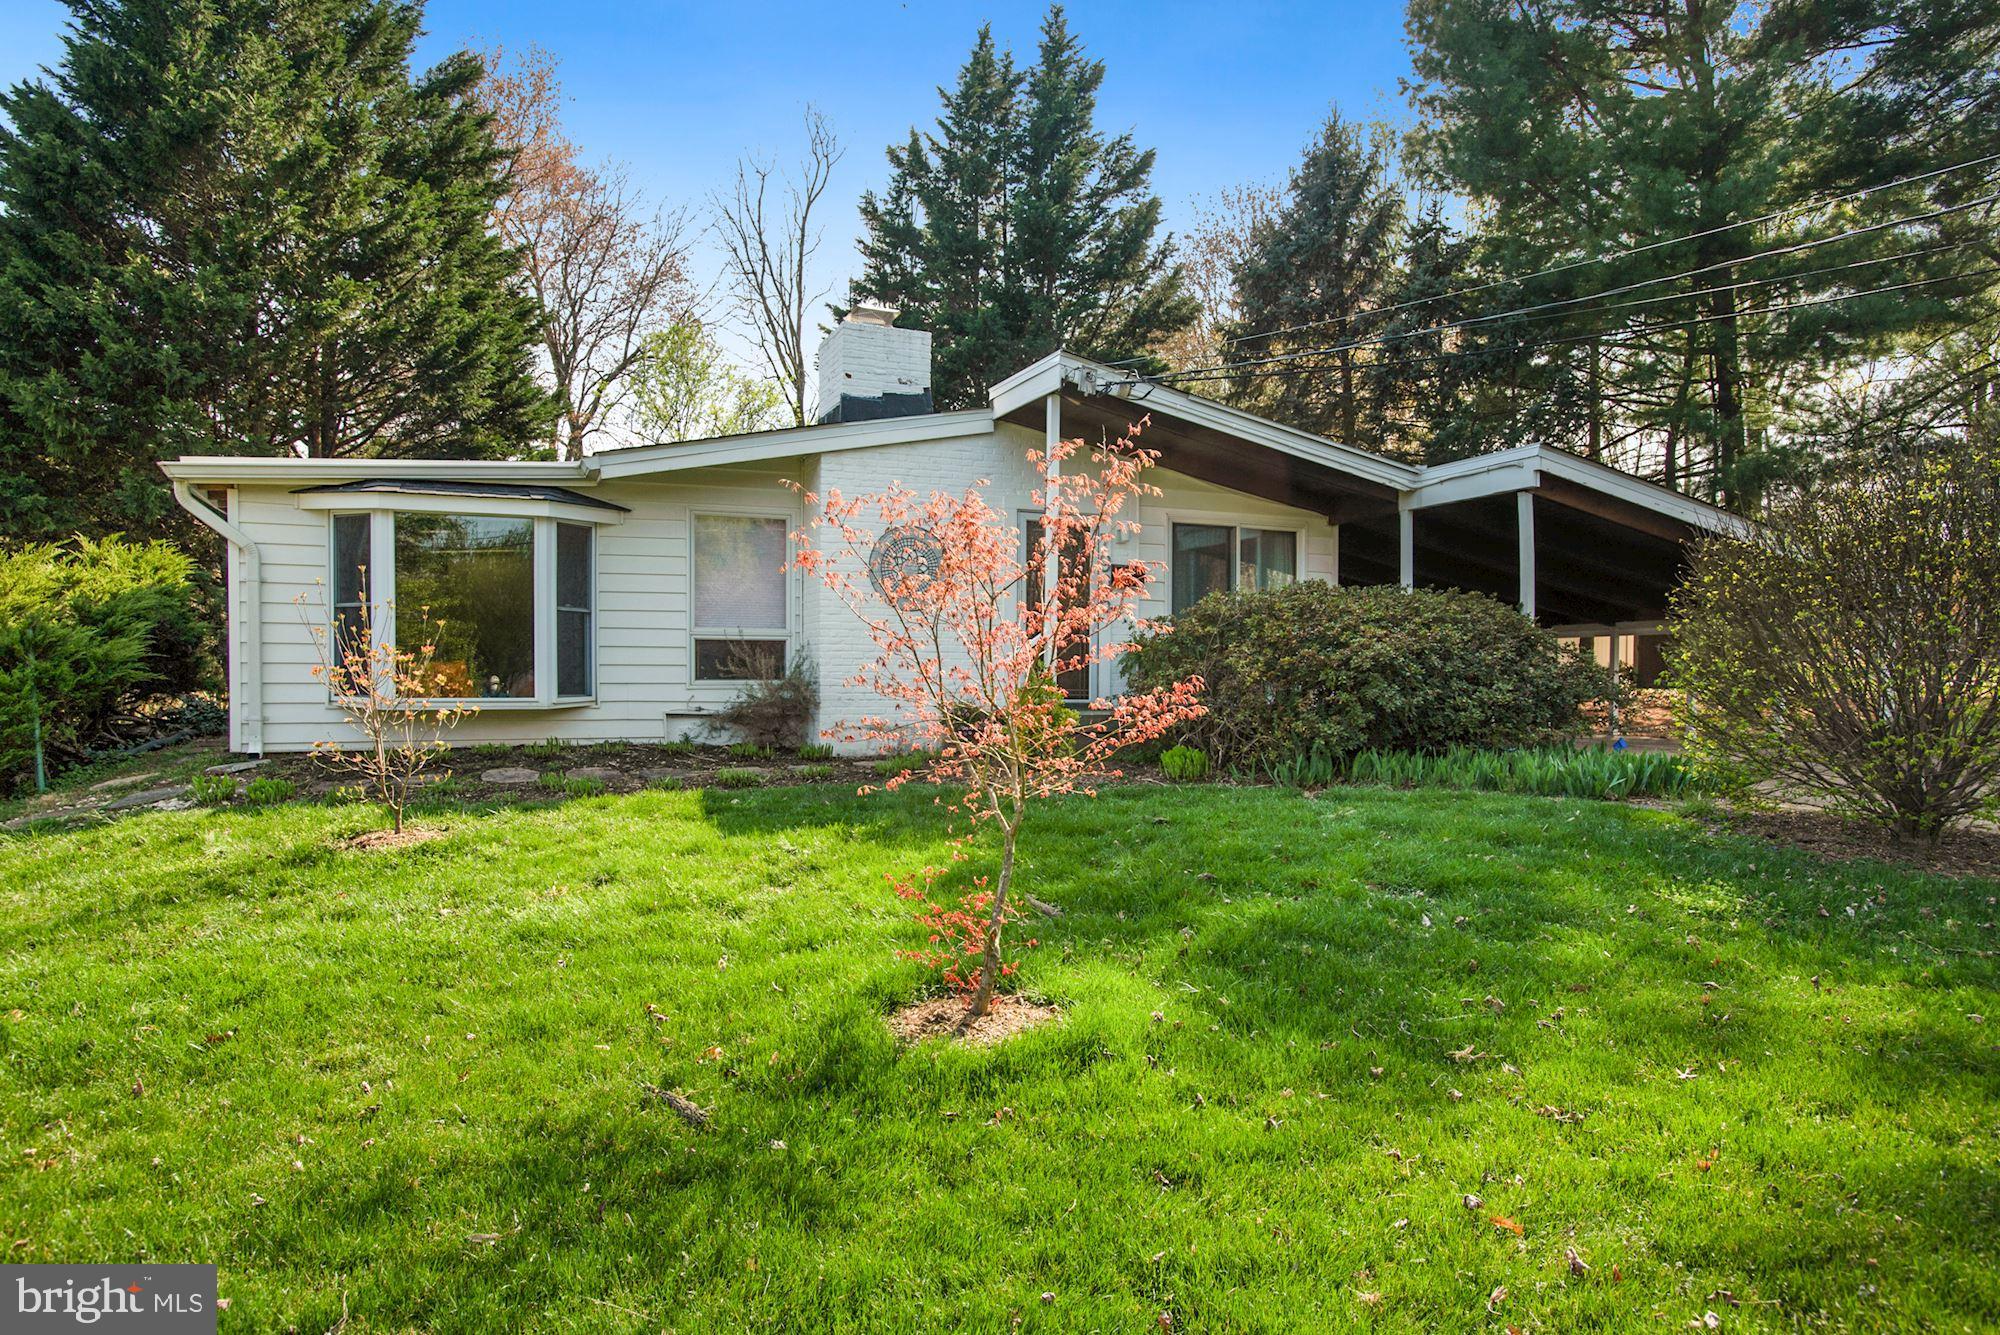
pixel 870 360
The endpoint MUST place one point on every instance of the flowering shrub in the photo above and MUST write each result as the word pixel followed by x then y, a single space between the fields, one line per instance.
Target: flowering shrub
pixel 971 640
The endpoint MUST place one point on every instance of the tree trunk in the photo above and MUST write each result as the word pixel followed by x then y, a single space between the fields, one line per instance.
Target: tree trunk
pixel 989 961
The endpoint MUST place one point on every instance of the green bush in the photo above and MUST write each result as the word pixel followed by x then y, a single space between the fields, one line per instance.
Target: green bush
pixel 1343 670
pixel 212 790
pixel 88 630
pixel 268 792
pixel 1184 764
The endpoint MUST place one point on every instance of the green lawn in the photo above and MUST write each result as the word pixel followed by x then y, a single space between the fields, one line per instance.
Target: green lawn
pixel 1299 1032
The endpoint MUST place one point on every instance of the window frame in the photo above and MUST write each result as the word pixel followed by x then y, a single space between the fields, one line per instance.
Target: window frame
pixel 382 589
pixel 1236 526
pixel 788 637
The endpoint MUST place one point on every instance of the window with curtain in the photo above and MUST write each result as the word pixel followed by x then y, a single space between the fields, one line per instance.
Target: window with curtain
pixel 469 581
pixel 1219 558
pixel 1201 562
pixel 1266 558
pixel 740 608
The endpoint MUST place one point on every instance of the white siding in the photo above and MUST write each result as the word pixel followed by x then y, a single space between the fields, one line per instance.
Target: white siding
pixel 644 687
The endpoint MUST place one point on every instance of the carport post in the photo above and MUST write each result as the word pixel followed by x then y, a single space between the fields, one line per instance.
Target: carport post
pixel 1406 525
pixel 1525 522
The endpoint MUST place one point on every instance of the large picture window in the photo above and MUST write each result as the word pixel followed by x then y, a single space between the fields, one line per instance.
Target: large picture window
pixel 508 602
pixel 469 580
pixel 1219 558
pixel 740 609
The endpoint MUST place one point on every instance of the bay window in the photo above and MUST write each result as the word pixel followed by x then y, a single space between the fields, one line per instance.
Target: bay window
pixel 1219 558
pixel 506 599
pixel 740 605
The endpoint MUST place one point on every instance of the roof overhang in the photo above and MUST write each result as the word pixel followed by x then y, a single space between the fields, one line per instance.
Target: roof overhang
pixel 1207 440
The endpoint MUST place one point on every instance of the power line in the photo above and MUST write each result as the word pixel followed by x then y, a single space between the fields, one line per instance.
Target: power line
pixel 1671 326
pixel 1636 250
pixel 1374 340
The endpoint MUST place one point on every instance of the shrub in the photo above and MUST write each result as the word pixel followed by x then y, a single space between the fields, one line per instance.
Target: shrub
pixel 736 778
pixel 1346 669
pixel 1853 649
pixel 268 792
pixel 1184 764
pixel 88 630
pixel 212 790
pixel 774 713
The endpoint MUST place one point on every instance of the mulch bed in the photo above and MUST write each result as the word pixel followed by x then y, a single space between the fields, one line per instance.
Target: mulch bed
pixel 1974 852
pixel 944 1017
pixel 371 840
pixel 621 767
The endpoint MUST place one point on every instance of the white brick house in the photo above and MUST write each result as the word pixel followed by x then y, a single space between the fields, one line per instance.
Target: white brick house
pixel 624 596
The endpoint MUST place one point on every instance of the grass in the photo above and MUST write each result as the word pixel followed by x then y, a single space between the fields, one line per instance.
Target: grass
pixel 1298 1031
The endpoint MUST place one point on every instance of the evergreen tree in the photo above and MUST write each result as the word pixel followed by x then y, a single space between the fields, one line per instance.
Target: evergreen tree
pixel 1017 227
pixel 1319 271
pixel 241 227
pixel 1421 372
pixel 1582 129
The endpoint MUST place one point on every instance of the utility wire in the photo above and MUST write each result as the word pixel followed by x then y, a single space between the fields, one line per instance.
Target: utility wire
pixel 1393 336
pixel 1637 250
pixel 1661 328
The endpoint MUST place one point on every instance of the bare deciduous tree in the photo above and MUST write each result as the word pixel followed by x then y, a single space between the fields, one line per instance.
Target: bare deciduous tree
pixel 1210 254
pixel 607 272
pixel 765 226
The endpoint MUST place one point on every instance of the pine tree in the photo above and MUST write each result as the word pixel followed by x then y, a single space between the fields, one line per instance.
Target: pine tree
pixel 1320 271
pixel 1580 129
pixel 1420 374
pixel 1016 227
pixel 243 228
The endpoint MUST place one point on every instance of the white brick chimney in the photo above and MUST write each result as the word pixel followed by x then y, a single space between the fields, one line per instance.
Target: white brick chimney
pixel 868 368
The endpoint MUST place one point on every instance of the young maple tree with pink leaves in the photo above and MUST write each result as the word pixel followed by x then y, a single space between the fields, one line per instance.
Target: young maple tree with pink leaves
pixel 973 625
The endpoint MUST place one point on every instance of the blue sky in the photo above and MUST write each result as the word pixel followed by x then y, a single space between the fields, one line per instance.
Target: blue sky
pixel 1227 93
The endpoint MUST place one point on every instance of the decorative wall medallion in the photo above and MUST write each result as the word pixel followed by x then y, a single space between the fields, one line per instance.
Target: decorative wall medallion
pixel 906 559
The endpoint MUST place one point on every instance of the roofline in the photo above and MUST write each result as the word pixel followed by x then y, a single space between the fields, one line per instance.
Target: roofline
pixel 790 442
pixel 223 468
pixel 1520 469
pixel 1062 369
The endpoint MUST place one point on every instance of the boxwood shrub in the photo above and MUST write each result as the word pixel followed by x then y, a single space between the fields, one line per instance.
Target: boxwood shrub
pixel 1344 670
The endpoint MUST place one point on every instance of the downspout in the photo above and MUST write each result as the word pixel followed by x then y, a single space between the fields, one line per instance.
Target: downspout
pixel 247 692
